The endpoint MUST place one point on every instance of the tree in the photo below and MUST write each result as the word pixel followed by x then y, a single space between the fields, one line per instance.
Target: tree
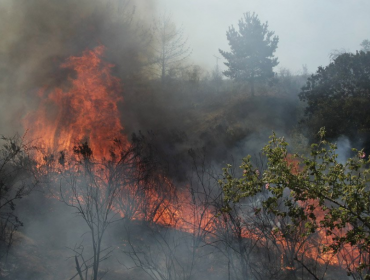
pixel 92 187
pixel 252 51
pixel 170 45
pixel 337 98
pixel 247 237
pixel 317 192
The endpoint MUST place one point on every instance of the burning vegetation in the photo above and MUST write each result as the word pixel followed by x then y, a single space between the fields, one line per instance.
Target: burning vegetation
pixel 87 112
pixel 119 172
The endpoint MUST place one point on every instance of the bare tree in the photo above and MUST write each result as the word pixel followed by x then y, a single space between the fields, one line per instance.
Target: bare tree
pixel 170 45
pixel 91 187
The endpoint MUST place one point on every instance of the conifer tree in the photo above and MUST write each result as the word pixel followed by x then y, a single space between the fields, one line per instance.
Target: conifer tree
pixel 252 51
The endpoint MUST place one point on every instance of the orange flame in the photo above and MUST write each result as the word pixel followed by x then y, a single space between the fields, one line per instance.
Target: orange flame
pixel 86 112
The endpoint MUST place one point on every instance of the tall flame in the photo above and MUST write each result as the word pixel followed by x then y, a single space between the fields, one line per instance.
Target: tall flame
pixel 86 112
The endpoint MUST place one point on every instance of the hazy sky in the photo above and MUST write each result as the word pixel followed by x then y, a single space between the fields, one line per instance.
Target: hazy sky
pixel 309 30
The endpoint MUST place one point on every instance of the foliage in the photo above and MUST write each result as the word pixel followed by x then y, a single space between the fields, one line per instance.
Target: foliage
pixel 338 96
pixel 252 50
pixel 317 191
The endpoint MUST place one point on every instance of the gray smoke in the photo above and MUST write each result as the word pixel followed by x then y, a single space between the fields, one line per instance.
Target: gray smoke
pixel 37 36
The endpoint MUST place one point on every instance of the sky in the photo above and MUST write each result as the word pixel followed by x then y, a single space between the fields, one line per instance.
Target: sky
pixel 308 30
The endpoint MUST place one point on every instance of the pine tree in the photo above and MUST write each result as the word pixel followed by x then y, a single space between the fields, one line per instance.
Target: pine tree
pixel 252 51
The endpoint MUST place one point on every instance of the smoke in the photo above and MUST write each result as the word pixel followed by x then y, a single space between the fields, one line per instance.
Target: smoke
pixel 37 36
pixel 343 149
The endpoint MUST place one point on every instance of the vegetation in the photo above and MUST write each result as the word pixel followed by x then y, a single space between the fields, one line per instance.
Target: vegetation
pixel 252 51
pixel 337 97
pixel 17 179
pixel 316 191
pixel 170 46
pixel 157 206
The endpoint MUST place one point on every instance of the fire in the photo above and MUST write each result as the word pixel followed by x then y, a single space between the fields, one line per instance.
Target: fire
pixel 87 112
pixel 348 257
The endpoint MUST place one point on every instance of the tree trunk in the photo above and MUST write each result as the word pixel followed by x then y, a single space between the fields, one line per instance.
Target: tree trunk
pixel 243 257
pixel 78 268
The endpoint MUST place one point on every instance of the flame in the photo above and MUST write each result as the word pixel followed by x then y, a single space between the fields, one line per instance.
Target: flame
pixel 86 112
pixel 348 257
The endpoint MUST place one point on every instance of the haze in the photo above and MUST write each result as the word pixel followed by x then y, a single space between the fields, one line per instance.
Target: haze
pixel 308 30
pixel 120 149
